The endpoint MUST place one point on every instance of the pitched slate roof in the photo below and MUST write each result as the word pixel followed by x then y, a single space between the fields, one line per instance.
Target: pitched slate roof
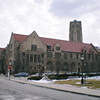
pixel 66 45
pixel 2 49
pixel 19 37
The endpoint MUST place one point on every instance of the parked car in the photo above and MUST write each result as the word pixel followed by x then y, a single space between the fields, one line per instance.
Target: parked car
pixel 6 75
pixel 37 74
pixel 47 73
pixel 21 74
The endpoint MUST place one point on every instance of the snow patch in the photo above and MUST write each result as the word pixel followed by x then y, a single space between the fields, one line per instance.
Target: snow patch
pixel 44 80
pixel 47 80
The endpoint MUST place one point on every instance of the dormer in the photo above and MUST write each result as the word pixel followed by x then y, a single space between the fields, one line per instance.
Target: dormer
pixel 57 47
pixel 48 47
pixel 84 50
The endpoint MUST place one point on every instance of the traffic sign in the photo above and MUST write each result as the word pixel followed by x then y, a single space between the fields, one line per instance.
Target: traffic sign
pixel 10 67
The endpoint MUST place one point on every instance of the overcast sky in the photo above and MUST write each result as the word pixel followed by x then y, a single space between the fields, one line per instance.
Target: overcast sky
pixel 49 18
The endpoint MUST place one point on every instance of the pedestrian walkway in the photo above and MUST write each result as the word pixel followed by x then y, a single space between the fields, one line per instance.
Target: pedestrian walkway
pixel 72 89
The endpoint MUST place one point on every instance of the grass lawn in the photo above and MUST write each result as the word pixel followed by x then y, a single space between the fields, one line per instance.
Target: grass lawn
pixel 89 83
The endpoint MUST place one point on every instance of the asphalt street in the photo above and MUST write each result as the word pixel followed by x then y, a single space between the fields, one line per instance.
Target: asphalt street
pixel 10 90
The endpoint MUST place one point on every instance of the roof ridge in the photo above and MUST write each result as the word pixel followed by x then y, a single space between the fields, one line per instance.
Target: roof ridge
pixel 20 37
pixel 65 40
pixel 20 34
pixel 53 38
pixel 3 49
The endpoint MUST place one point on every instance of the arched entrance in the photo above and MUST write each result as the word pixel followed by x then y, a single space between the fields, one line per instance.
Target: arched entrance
pixel 72 69
pixel 58 67
pixel 65 66
pixel 49 66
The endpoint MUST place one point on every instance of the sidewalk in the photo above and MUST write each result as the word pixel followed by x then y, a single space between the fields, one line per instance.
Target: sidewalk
pixel 72 89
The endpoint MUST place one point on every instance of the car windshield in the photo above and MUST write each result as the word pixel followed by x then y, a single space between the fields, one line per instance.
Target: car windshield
pixel 37 73
pixel 22 73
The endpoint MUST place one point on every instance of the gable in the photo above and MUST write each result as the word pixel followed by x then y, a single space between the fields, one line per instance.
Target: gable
pixel 11 39
pixel 57 47
pixel 32 39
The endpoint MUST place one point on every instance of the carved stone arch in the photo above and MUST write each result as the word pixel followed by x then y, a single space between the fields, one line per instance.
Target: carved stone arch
pixel 73 67
pixel 65 66
pixel 86 67
pixel 49 66
pixel 58 67
pixel 79 67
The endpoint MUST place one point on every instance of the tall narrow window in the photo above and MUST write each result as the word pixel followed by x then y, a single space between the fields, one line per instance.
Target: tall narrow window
pixel 23 53
pixel 39 58
pixel 57 54
pixel 71 56
pixel 85 54
pixel 49 54
pixel 42 55
pixel 89 56
pixel 96 57
pixel 65 55
pixel 92 55
pixel 27 58
pixel 34 47
pixel 76 56
pixel 31 57
pixel 35 58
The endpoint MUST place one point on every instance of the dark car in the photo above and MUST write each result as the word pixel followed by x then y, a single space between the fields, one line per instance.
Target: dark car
pixel 21 74
pixel 6 75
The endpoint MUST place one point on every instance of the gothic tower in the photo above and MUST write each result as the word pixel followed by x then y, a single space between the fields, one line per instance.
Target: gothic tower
pixel 75 31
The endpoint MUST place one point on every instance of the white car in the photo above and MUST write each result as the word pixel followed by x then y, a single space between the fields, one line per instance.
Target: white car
pixel 37 74
pixel 47 73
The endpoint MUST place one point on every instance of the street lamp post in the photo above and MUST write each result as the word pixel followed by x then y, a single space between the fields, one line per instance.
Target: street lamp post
pixel 82 59
pixel 39 65
pixel 9 68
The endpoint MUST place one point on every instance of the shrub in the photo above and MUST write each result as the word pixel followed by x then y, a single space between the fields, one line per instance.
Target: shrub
pixel 58 77
pixel 50 77
pixel 53 76
pixel 34 78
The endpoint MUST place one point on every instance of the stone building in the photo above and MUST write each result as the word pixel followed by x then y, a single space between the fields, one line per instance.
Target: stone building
pixel 2 60
pixel 31 53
